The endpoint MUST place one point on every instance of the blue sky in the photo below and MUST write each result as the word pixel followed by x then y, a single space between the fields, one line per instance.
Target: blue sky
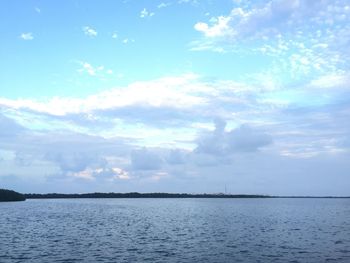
pixel 175 96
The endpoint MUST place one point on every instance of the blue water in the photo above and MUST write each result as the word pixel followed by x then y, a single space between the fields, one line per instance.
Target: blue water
pixel 175 230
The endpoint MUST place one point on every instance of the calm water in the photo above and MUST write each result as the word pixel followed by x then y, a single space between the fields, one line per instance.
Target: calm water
pixel 175 230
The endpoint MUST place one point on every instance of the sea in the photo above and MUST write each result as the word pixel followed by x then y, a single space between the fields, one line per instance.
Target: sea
pixel 175 230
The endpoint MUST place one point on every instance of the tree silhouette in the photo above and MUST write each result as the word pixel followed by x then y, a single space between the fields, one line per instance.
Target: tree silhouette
pixel 9 195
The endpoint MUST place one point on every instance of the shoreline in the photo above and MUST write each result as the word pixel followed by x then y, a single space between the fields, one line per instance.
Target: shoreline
pixel 166 195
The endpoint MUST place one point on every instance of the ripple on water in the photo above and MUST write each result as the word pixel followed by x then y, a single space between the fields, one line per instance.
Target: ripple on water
pixel 175 230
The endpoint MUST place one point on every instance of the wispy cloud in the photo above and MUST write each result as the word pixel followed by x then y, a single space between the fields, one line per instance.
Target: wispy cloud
pixel 171 91
pixel 114 35
pixel 88 31
pixel 128 40
pixel 93 71
pixel 163 5
pixel 298 36
pixel 332 81
pixel 145 13
pixel 274 19
pixel 90 69
pixel 192 2
pixel 27 36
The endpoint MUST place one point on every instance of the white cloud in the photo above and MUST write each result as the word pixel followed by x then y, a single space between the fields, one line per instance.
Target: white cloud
pixel 330 81
pixel 27 36
pixel 115 35
pixel 169 112
pixel 87 174
pixel 192 2
pixel 37 9
pixel 121 173
pixel 241 23
pixel 141 110
pixel 145 13
pixel 182 92
pixel 219 29
pixel 159 176
pixel 163 5
pixel 94 71
pixel 128 40
pixel 302 36
pixel 88 31
pixel 89 69
pixel 94 174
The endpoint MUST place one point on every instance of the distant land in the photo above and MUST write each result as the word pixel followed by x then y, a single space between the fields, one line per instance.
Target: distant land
pixel 140 195
pixel 9 195
pixel 162 195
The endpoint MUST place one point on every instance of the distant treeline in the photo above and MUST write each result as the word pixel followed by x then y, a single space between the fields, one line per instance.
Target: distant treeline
pixel 9 195
pixel 139 195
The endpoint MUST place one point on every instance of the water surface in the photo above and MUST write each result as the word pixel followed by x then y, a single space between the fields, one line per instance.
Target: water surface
pixel 175 230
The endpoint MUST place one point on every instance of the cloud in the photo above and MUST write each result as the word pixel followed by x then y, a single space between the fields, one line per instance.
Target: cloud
pixel 115 35
pixel 90 69
pixel 192 2
pixel 242 139
pixel 94 71
pixel 62 155
pixel 145 13
pixel 175 92
pixel 186 105
pixel 272 18
pixel 88 31
pixel 331 81
pixel 150 115
pixel 306 38
pixel 74 161
pixel 163 5
pixel 220 28
pixel 145 159
pixel 106 174
pixel 9 127
pixel 159 134
pixel 27 36
pixel 87 174
pixel 120 173
pixel 176 157
pixel 247 139
pixel 128 40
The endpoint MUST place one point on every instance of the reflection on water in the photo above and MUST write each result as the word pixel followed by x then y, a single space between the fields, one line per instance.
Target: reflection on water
pixel 175 230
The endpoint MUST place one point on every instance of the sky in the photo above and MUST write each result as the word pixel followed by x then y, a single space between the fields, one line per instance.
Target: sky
pixel 190 96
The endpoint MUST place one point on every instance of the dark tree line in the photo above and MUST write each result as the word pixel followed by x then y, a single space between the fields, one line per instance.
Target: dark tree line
pixel 9 195
pixel 139 195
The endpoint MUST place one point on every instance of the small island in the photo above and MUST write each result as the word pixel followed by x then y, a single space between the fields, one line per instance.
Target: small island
pixel 9 195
